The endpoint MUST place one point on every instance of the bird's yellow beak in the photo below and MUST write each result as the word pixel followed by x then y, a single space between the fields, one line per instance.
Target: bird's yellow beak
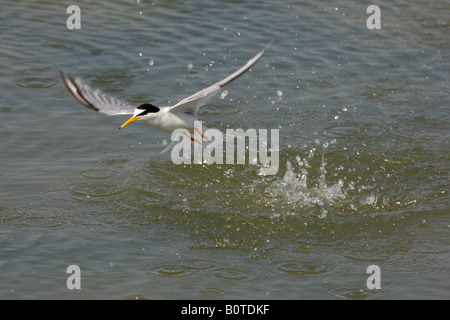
pixel 132 119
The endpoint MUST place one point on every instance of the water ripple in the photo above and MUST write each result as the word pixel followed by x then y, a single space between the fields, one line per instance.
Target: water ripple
pixel 301 268
pixel 36 83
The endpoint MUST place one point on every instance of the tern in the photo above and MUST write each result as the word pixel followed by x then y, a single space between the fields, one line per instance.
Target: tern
pixel 179 116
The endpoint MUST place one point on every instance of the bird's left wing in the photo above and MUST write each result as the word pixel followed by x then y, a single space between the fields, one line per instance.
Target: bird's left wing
pixel 191 104
pixel 95 99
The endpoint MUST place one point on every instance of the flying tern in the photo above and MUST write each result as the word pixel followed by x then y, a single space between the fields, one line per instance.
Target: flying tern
pixel 181 115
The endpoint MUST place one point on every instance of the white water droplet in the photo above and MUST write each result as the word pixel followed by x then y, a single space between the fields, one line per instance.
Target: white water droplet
pixel 190 66
pixel 223 94
pixel 151 62
pixel 280 93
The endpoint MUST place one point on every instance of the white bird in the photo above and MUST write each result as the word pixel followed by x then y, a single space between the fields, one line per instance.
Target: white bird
pixel 181 115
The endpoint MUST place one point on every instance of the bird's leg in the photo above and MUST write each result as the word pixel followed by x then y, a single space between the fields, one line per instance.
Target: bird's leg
pixel 192 139
pixel 201 134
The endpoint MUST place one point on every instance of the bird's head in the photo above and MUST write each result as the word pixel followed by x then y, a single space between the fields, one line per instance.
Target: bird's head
pixel 144 111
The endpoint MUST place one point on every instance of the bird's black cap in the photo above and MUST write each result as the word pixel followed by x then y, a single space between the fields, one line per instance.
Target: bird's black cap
pixel 147 108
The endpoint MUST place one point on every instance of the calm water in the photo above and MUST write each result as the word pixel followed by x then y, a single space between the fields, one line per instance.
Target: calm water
pixel 363 118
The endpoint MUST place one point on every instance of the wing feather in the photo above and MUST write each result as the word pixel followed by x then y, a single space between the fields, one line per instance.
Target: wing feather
pixel 191 104
pixel 95 99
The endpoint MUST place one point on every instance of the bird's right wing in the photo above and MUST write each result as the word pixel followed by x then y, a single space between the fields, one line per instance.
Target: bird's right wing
pixel 95 99
pixel 192 103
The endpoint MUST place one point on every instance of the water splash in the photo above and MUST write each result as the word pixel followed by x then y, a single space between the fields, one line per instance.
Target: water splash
pixel 297 189
pixel 351 183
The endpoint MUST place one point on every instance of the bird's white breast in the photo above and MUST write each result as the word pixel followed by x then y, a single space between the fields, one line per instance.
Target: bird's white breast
pixel 168 121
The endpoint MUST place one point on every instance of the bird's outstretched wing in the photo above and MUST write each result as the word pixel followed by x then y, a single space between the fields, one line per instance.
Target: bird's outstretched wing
pixel 95 99
pixel 191 104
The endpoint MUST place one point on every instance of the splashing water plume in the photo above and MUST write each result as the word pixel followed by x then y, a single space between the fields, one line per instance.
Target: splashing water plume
pixel 295 190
